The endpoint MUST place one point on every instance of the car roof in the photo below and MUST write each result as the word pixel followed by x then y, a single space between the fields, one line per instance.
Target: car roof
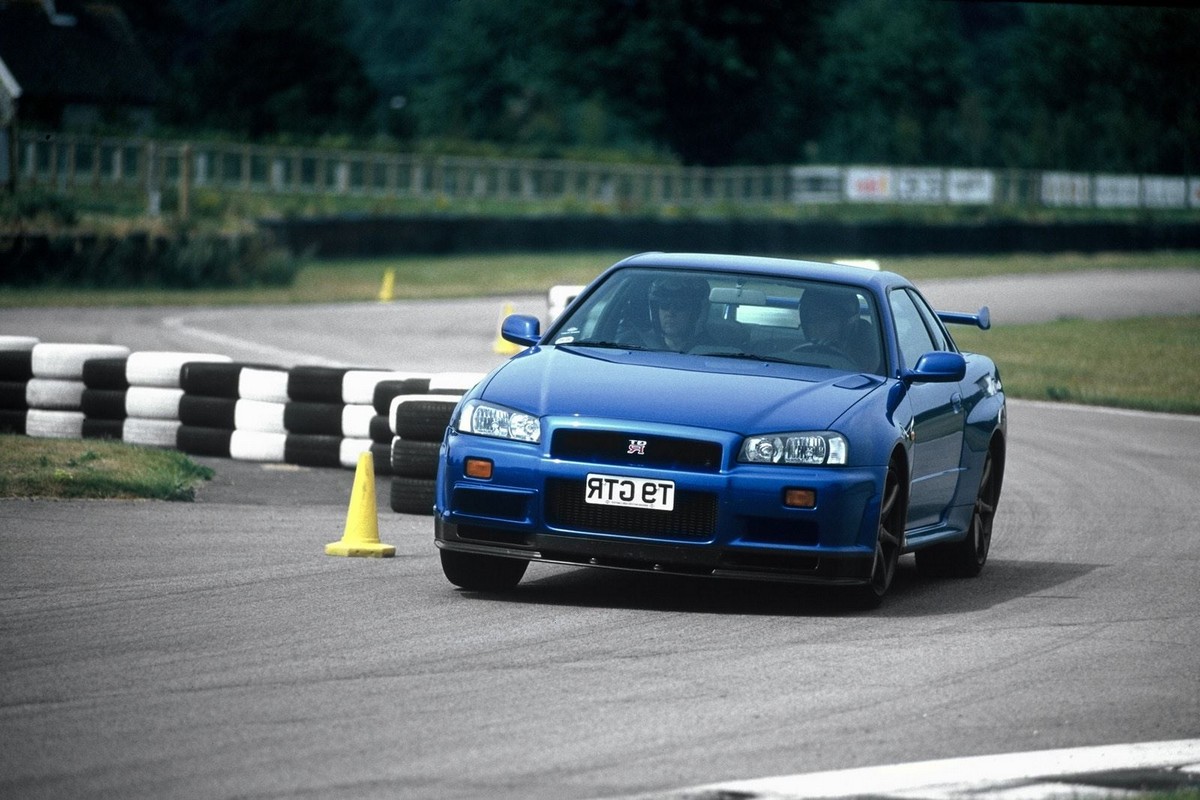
pixel 766 265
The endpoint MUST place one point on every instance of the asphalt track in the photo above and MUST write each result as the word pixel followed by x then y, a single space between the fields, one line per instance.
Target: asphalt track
pixel 212 650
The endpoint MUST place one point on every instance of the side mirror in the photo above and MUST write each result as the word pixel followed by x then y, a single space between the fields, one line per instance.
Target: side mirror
pixel 938 367
pixel 522 329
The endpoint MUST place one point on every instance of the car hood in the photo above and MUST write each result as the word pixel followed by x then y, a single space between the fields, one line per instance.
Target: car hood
pixel 740 396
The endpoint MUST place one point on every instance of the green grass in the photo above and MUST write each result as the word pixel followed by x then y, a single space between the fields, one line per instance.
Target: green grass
pixel 422 277
pixel 67 468
pixel 1151 364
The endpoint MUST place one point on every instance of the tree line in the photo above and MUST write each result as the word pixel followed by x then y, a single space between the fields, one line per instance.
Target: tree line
pixel 917 82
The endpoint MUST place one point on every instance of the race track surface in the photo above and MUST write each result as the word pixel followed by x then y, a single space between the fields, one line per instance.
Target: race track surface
pixel 212 649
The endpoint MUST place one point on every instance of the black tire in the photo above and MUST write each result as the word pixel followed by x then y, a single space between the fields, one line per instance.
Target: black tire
pixel 381 454
pixel 316 384
pixel 198 441
pixel 207 412
pixel 16 365
pixel 965 558
pixel 415 459
pixel 12 395
pixel 413 496
pixel 423 420
pixel 480 573
pixel 313 451
pixel 103 403
pixel 314 419
pixel 889 540
pixel 105 373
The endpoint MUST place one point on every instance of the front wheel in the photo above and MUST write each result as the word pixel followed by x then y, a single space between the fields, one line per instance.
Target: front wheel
pixel 889 539
pixel 480 573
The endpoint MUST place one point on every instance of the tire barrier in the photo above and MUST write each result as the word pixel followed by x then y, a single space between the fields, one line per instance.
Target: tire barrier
pixel 16 370
pixel 206 404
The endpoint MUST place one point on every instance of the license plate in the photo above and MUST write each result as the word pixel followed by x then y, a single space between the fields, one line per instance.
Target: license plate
pixel 615 490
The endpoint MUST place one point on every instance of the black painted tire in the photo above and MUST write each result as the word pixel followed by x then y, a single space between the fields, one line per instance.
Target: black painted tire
pixel 413 459
pixel 412 496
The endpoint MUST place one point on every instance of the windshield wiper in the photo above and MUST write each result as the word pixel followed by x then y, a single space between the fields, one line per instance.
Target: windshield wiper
pixel 753 357
pixel 601 343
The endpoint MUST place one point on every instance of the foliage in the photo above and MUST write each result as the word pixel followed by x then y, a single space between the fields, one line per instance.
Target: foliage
pixel 953 82
pixel 140 259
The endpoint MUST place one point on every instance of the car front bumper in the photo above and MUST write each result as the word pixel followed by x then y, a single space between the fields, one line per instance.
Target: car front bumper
pixel 729 521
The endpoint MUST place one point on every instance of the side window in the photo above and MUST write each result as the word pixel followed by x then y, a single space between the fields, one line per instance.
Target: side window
pixel 912 336
pixel 932 323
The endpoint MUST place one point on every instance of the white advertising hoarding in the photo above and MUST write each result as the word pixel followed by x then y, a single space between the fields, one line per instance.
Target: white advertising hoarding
pixel 868 184
pixel 971 186
pixel 1118 191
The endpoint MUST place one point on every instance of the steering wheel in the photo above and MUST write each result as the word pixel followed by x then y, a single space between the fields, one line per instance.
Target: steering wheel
pixel 832 357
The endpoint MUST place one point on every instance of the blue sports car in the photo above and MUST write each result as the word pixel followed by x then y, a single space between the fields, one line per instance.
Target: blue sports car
pixel 728 416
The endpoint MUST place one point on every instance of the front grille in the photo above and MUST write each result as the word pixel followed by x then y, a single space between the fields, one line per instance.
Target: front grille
pixel 694 516
pixel 615 447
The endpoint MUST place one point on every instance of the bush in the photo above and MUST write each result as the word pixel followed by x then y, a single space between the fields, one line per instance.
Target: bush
pixel 180 261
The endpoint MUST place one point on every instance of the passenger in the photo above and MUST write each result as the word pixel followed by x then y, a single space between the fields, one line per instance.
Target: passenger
pixel 678 308
pixel 830 322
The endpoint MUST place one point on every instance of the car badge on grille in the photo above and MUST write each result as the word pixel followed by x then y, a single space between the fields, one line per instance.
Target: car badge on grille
pixel 636 447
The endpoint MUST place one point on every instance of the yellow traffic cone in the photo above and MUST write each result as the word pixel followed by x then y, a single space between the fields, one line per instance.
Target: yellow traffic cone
pixel 361 537
pixel 388 287
pixel 502 345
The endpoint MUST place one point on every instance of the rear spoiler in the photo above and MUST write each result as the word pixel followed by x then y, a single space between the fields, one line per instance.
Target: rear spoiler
pixel 982 320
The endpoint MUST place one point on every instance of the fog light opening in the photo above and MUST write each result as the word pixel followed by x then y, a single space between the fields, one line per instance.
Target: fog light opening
pixel 800 498
pixel 478 468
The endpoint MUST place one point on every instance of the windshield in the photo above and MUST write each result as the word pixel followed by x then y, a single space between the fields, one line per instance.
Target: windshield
pixel 732 315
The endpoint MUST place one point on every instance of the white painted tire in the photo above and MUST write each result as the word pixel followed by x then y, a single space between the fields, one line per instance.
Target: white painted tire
pixel 257 446
pixel 356 420
pixel 44 424
pixel 161 367
pixel 453 382
pixel 66 360
pixel 351 449
pixel 150 432
pixel 54 394
pixel 152 402
pixel 358 385
pixel 256 415
pixel 18 342
pixel 266 385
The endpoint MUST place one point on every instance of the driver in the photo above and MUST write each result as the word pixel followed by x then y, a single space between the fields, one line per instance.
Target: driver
pixel 677 307
pixel 826 316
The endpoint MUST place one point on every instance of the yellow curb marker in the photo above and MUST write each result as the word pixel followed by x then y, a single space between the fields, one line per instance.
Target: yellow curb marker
pixel 502 345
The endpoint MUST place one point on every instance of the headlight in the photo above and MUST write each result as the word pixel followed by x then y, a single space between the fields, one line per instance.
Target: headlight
pixel 807 449
pixel 486 419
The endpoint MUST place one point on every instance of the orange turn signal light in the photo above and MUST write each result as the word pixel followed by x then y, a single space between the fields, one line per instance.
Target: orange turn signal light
pixel 478 468
pixel 800 498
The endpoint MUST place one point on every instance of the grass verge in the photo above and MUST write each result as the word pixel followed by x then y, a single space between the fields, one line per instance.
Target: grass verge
pixel 1148 363
pixel 423 277
pixel 69 468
